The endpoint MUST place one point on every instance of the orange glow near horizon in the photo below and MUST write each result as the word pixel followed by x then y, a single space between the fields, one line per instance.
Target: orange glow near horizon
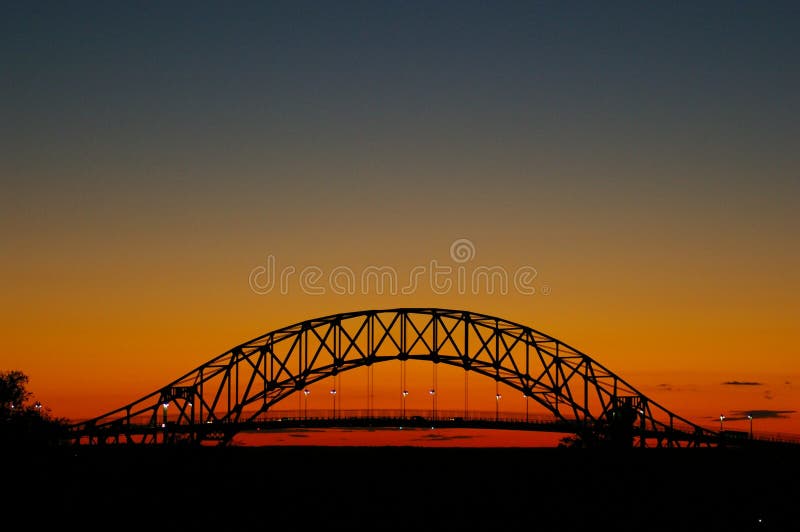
pixel 700 395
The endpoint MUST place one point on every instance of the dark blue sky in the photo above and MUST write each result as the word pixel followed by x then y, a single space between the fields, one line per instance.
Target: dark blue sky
pixel 444 77
pixel 569 120
pixel 621 126
pixel 116 104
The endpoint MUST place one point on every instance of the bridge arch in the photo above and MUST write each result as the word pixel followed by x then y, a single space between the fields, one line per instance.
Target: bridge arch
pixel 233 389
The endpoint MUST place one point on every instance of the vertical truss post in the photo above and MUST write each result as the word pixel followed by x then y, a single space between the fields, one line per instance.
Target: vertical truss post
pixel 237 404
pixel 228 379
pixel 557 364
pixel 202 381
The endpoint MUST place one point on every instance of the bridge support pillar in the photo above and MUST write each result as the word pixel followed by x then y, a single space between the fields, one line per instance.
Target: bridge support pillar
pixel 623 417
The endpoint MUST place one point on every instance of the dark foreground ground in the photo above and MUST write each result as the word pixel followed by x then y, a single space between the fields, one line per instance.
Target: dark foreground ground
pixel 320 488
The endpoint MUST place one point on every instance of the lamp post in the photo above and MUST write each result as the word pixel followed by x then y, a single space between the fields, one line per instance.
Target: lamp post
pixel 497 407
pixel 721 419
pixel 164 424
pixel 642 427
pixel 432 393
pixel 333 397
pixel 306 392
pixel 405 394
pixel 750 417
pixel 525 395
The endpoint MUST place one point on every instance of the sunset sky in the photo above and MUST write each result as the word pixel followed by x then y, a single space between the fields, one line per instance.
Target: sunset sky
pixel 643 160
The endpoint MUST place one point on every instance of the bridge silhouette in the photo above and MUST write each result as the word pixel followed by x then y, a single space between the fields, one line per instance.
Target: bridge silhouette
pixel 238 390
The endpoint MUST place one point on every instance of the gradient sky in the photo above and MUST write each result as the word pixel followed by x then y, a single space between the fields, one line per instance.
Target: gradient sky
pixel 644 159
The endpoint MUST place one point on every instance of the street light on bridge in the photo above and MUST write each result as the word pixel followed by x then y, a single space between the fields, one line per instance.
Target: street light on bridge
pixel 497 407
pixel 164 423
pixel 525 395
pixel 432 393
pixel 721 419
pixel 306 392
pixel 333 396
pixel 750 417
pixel 405 394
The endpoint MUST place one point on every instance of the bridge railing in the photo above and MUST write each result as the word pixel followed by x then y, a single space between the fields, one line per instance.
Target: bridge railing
pixel 427 414
pixel 362 413
pixel 296 414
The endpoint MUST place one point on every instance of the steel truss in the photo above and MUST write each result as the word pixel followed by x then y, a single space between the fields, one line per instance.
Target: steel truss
pixel 232 391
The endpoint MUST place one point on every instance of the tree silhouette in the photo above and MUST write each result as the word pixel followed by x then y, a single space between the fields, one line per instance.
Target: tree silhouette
pixel 13 394
pixel 22 423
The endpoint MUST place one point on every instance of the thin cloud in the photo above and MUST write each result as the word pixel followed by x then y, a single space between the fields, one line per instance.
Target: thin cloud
pixel 668 387
pixel 740 415
pixel 743 383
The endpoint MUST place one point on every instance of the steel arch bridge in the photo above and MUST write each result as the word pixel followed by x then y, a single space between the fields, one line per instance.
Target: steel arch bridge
pixel 235 390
